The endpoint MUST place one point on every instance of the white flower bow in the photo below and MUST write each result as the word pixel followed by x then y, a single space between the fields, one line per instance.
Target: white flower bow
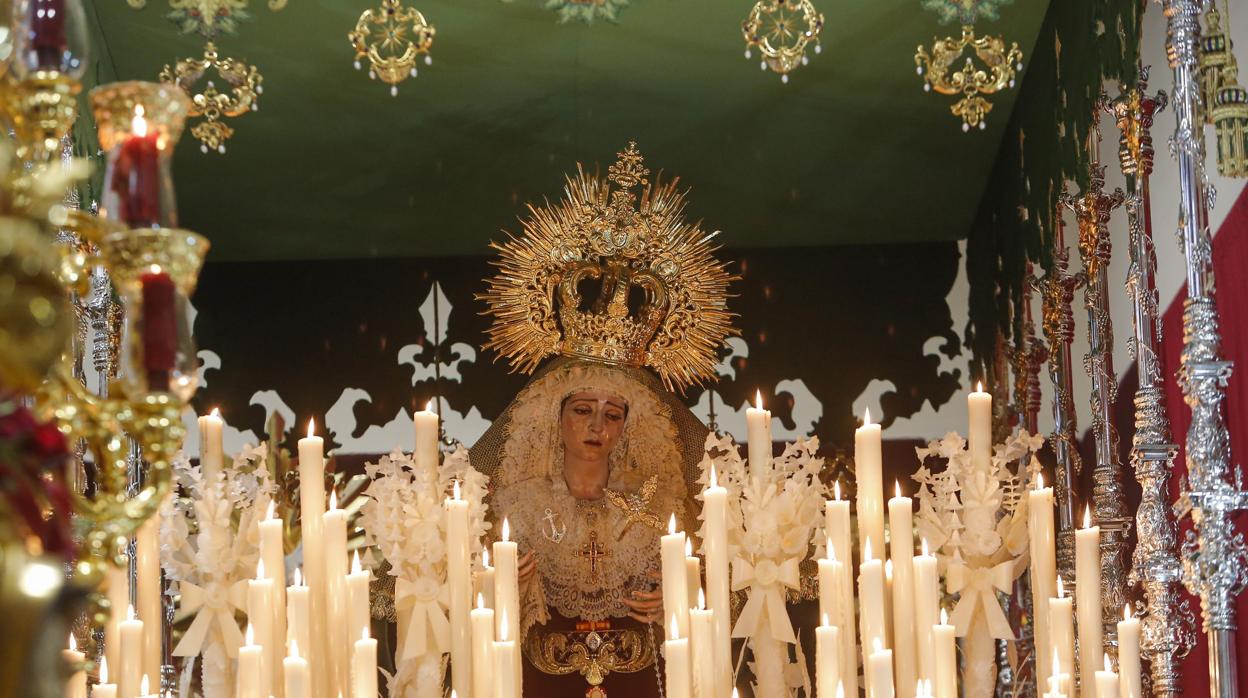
pixel 213 605
pixel 425 600
pixel 767 581
pixel 978 586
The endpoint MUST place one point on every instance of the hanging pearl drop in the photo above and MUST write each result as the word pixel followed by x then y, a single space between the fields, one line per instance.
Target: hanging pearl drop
pixel 221 149
pixel 394 90
pixel 818 48
pixel 428 60
pixel 784 78
pixel 357 65
pixel 748 54
pixel 965 127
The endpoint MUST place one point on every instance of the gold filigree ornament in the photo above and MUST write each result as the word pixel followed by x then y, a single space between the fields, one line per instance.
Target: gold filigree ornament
pixel 781 30
pixel 594 655
pixel 244 87
pixel 661 294
pixel 392 37
pixel 208 18
pixel 972 82
pixel 1226 100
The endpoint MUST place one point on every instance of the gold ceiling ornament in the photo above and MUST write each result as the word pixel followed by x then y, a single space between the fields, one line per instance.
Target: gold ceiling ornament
pixel 1226 102
pixel 208 18
pixel 996 72
pixel 392 37
pixel 781 30
pixel 244 85
pixel 643 248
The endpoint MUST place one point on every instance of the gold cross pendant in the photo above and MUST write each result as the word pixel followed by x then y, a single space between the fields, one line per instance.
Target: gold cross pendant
pixel 593 551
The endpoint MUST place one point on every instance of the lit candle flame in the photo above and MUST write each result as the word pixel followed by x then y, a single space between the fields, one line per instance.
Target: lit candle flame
pixel 888 570
pixel 502 625
pixel 249 637
pixel 1057 665
pixel 268 516
pixel 1087 517
pixel 675 631
pixel 713 481
pixel 688 547
pixel 923 545
pixel 429 406
pixel 216 412
pixel 145 686
pixel 260 569
pixel 364 635
pixel 836 490
pixel 825 622
pixel 840 690
pixel 311 427
pixel 1039 481
pixel 294 648
pixel 866 416
pixel 1126 612
pixel 866 551
pixel 701 600
pixel 734 692
pixel 506 530
pixel 455 490
pixel 1061 588
pixel 830 549
pixel 979 386
pixel 138 127
pixel 480 600
pixel 944 617
pixel 758 399
pixel 355 562
pixel 130 612
pixel 1108 667
pixel 333 500
pixel 671 525
pixel 104 670
pixel 73 644
pixel 485 557
pixel 897 489
pixel 876 645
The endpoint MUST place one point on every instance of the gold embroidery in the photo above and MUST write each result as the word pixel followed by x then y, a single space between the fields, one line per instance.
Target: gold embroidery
pixel 636 507
pixel 593 655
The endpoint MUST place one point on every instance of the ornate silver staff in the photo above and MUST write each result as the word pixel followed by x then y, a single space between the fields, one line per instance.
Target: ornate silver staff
pixel 1093 208
pixel 1168 623
pixel 1214 557
pixel 1057 292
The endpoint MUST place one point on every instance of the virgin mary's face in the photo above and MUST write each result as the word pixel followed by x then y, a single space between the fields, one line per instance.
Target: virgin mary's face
pixel 591 424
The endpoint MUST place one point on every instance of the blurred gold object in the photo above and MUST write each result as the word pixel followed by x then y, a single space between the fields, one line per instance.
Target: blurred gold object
pixel 971 82
pixel 35 317
pixel 781 30
pixel 1226 103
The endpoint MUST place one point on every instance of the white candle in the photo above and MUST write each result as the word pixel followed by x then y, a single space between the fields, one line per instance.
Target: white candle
pixel 901 552
pixel 1129 655
pixel 312 508
pixel 211 445
pixel 880 666
pixel 702 649
pixel 715 548
pixel 76 687
pixel 459 586
pixel 334 529
pixel 482 649
pixel 1106 681
pixel 871 600
pixel 829 574
pixel 506 659
pixel 1088 601
pixel 260 596
pixel 117 588
pixel 485 578
pixel 426 424
pixel 1043 567
pixel 1062 628
pixel 675 582
pixel 131 655
pixel 888 603
pixel 827 658
pixel 693 572
pixel 758 434
pixel 357 598
pixel 868 462
pixel 926 611
pixel 297 609
pixel 364 667
pixel 979 437
pixel 677 663
pixel 836 523
pixel 251 668
pixel 298 680
pixel 104 689
pixel 507 603
pixel 148 593
pixel 946 651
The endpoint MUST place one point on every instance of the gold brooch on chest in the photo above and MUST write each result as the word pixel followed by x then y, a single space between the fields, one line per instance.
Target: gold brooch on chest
pixel 636 507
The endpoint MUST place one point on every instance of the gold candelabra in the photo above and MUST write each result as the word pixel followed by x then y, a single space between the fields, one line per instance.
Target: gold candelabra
pixel 392 38
pixel 996 72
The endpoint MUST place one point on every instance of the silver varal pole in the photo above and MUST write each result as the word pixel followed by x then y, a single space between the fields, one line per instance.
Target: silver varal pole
pixel 1214 558
pixel 1168 624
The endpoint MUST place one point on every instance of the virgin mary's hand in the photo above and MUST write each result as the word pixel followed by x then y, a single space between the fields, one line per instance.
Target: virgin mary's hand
pixel 526 566
pixel 647 606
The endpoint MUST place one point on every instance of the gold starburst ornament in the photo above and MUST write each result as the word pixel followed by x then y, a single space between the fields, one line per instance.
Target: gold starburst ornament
pixel 391 37
pixel 994 73
pixel 782 30
pixel 242 94
pixel 659 294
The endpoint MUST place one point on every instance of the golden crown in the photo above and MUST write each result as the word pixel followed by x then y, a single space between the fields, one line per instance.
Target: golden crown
pixel 661 297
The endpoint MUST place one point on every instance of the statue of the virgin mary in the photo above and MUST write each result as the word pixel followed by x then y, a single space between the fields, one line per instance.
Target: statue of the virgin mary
pixel 615 302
